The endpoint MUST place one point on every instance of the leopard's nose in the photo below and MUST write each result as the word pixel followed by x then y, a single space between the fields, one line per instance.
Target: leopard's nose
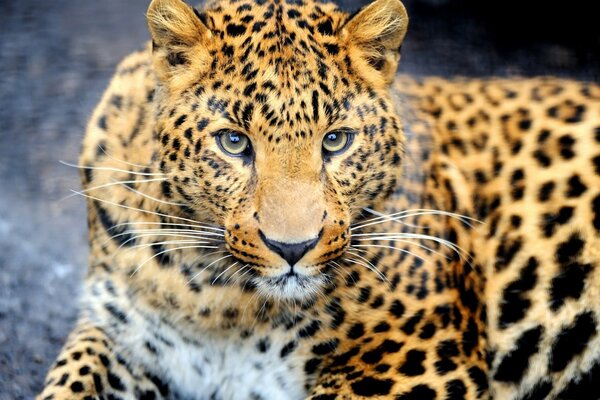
pixel 290 252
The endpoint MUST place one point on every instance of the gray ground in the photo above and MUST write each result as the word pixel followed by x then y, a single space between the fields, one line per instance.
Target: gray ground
pixel 56 58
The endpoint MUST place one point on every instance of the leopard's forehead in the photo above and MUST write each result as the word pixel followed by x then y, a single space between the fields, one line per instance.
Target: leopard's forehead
pixel 240 18
pixel 276 33
pixel 278 70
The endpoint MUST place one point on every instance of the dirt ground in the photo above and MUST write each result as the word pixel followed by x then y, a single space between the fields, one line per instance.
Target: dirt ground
pixel 56 58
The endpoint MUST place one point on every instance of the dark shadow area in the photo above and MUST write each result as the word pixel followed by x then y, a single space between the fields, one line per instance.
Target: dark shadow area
pixel 55 60
pixel 511 37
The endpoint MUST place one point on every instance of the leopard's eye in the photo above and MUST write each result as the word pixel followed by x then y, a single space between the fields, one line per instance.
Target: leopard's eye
pixel 338 141
pixel 233 143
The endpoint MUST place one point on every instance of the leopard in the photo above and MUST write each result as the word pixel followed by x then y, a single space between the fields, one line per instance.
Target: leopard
pixel 275 213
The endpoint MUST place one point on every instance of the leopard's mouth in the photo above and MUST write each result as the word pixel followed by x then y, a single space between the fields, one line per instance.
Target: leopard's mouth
pixel 288 269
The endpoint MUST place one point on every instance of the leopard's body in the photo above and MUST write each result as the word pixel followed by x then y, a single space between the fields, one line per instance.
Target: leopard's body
pixel 494 294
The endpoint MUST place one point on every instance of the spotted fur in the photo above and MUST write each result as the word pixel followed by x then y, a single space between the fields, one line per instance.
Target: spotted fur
pixel 454 244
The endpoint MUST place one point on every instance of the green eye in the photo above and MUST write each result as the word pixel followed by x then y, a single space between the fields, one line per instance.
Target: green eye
pixel 233 143
pixel 338 141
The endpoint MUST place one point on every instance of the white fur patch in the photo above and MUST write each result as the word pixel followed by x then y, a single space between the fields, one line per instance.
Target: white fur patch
pixel 215 367
pixel 296 287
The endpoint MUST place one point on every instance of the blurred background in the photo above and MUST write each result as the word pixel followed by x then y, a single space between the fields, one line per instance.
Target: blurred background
pixel 55 60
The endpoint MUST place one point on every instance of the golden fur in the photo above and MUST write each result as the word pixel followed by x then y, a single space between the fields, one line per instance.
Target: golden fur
pixel 457 236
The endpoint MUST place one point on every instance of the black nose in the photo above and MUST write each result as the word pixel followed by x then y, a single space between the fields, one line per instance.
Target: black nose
pixel 290 252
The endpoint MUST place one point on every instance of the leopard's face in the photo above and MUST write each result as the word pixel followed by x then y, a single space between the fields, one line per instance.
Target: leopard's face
pixel 276 124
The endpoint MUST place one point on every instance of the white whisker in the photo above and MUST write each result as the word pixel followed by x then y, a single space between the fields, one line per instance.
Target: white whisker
pixel 394 236
pixel 409 242
pixel 134 208
pixel 111 169
pixel 209 265
pixel 255 321
pixel 383 246
pixel 203 256
pixel 382 218
pixel 176 242
pixel 171 203
pixel 362 258
pixel 398 219
pixel 337 268
pixel 221 274
pixel 195 239
pixel 171 242
pixel 236 272
pixel 376 271
pixel 142 235
pixel 167 224
pixel 247 270
pixel 167 251
pixel 121 161
pixel 175 231
pixel 251 301
pixel 112 184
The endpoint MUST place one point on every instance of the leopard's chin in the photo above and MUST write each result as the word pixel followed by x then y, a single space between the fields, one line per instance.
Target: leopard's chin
pixel 292 285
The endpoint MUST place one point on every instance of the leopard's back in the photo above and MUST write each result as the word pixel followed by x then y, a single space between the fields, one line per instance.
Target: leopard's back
pixel 526 156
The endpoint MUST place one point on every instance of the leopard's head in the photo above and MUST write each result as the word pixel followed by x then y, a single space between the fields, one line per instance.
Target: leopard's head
pixel 276 122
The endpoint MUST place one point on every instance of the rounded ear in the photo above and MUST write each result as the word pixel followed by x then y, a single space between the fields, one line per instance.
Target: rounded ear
pixel 374 35
pixel 178 35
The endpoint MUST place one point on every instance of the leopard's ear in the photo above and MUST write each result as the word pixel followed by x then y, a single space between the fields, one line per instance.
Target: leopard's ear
pixel 178 35
pixel 374 35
